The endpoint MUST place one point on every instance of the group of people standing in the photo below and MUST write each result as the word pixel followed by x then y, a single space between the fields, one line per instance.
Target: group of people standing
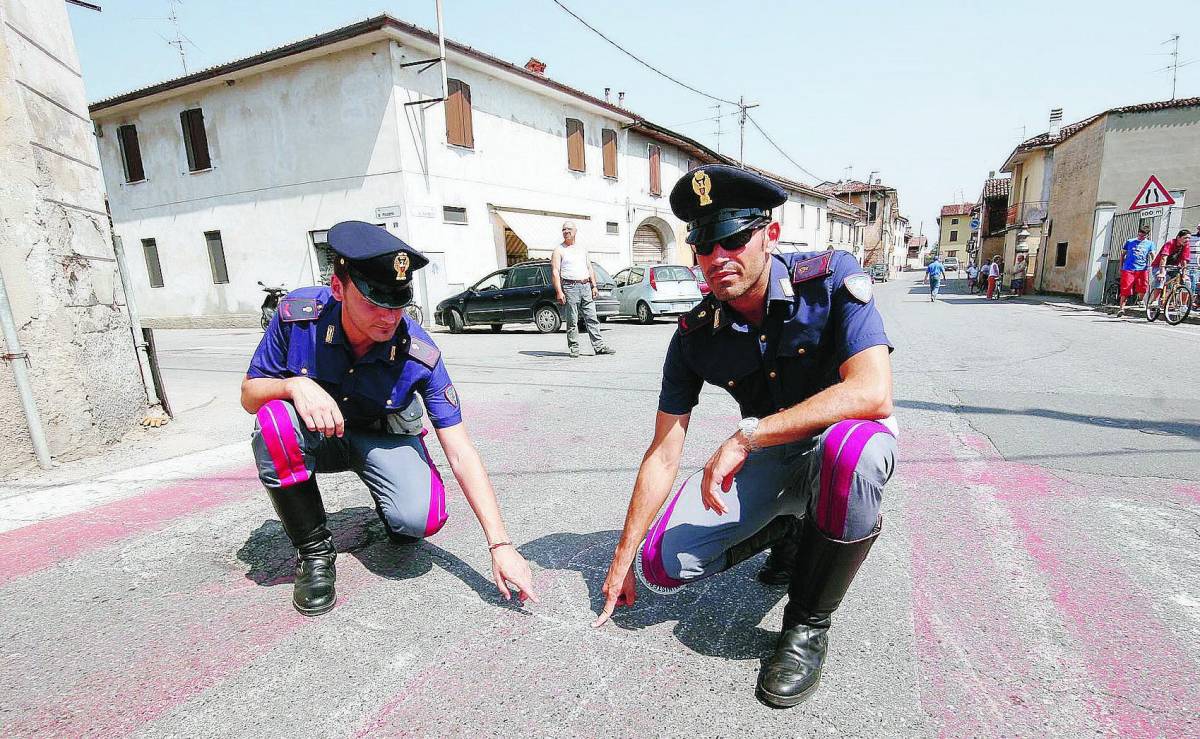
pixel 987 278
pixel 1141 259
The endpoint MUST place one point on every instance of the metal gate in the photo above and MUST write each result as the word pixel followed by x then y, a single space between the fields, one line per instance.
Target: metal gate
pixel 1125 227
pixel 647 245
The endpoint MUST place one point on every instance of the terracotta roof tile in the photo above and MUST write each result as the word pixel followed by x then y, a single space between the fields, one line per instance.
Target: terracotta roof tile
pixel 958 209
pixel 998 187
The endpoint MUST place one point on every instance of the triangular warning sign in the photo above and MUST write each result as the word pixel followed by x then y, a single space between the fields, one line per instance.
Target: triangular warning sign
pixel 1152 195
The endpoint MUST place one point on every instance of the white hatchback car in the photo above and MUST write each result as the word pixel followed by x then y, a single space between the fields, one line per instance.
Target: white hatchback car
pixel 650 290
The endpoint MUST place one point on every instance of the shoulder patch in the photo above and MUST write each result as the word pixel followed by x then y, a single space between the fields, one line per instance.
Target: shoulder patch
pixel 812 268
pixel 424 352
pixel 299 309
pixel 859 285
pixel 701 315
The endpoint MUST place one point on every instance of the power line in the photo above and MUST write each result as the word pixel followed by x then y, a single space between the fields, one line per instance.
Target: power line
pixel 639 60
pixel 784 153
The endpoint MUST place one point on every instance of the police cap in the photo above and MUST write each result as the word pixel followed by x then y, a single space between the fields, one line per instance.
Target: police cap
pixel 379 264
pixel 717 201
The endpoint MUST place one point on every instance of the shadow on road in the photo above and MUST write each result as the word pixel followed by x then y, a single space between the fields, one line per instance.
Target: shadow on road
pixel 358 532
pixel 717 618
pixel 1189 430
pixel 533 353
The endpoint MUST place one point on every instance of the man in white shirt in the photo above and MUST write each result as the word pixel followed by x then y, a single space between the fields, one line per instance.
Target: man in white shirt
pixel 575 287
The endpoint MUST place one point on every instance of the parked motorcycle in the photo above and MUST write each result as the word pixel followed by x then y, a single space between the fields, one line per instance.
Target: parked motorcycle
pixel 270 304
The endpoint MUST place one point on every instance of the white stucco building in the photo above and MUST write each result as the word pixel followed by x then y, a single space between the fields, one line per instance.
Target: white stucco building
pixel 233 174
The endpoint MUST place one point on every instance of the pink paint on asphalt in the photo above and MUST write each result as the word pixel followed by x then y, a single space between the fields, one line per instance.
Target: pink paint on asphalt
pixel 35 547
pixel 1143 681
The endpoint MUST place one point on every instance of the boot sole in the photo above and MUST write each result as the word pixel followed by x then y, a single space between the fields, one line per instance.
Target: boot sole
pixel 781 701
pixel 315 611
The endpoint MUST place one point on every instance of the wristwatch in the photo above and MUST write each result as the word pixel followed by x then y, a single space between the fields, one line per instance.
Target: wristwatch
pixel 748 427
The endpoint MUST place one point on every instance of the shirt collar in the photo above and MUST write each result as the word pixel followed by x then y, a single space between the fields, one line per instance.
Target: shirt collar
pixel 779 290
pixel 331 333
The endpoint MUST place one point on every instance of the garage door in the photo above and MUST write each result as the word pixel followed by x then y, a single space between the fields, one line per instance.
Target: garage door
pixel 647 245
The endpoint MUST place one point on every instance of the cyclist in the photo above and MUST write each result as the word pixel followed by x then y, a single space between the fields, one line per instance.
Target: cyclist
pixel 1172 257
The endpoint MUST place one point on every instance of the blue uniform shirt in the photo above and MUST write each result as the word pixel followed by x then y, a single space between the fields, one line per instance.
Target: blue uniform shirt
pixel 819 314
pixel 380 382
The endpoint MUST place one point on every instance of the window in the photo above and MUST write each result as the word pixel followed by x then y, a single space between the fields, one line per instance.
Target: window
pixel 636 274
pixel 655 170
pixel 493 281
pixel 524 277
pixel 609 139
pixel 953 221
pixel 131 153
pixel 1060 255
pixel 612 227
pixel 871 208
pixel 801 215
pixel 153 267
pixel 459 130
pixel 576 161
pixel 195 140
pixel 452 214
pixel 620 279
pixel 325 255
pixel 954 235
pixel 216 257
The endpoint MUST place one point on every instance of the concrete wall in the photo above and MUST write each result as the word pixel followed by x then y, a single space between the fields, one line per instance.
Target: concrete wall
pixel 1165 143
pixel 56 253
pixel 1073 195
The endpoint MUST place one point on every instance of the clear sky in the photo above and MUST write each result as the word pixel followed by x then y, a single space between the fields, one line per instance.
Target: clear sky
pixel 932 95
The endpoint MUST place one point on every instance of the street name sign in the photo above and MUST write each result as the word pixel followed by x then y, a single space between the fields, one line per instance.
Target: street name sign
pixel 1152 195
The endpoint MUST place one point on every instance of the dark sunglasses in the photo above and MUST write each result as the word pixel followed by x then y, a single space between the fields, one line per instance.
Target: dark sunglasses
pixel 732 242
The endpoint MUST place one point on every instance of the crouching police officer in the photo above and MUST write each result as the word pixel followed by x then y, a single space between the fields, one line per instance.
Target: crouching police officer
pixel 333 386
pixel 797 342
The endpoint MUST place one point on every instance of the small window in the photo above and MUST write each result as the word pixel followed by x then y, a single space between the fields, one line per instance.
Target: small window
pixel 576 161
pixel 1060 255
pixel 872 207
pixel 451 214
pixel 459 129
pixel 153 266
pixel 636 274
pixel 954 235
pixel 216 257
pixel 953 221
pixel 195 140
pixel 524 277
pixel 801 215
pixel 494 281
pixel 620 278
pixel 609 139
pixel 612 228
pixel 655 170
pixel 131 153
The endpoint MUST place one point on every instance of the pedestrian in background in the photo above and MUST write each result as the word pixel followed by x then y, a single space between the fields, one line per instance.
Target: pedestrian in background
pixel 1135 267
pixel 1017 276
pixel 993 277
pixel 575 287
pixel 1194 265
pixel 972 277
pixel 935 271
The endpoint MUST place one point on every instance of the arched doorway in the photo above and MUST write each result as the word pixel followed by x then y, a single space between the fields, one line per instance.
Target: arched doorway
pixel 653 242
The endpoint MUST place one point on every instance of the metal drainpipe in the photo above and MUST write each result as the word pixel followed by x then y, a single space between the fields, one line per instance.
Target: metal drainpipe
pixel 135 321
pixel 19 359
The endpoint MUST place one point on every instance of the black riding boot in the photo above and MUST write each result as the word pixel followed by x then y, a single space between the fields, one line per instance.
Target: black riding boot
pixel 777 570
pixel 781 533
pixel 823 573
pixel 303 517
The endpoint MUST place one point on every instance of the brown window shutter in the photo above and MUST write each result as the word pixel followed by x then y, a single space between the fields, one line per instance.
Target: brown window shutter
pixel 195 140
pixel 609 138
pixel 655 171
pixel 131 153
pixel 575 156
pixel 458 114
pixel 464 109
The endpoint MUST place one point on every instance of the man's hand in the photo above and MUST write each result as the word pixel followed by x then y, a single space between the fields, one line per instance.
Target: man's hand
pixel 595 292
pixel 558 295
pixel 619 590
pixel 509 568
pixel 316 409
pixel 721 468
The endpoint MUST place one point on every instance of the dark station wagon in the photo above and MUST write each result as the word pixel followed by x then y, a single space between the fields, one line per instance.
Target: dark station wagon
pixel 523 293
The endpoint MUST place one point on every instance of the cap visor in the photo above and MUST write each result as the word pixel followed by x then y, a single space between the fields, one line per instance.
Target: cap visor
pixel 397 298
pixel 710 232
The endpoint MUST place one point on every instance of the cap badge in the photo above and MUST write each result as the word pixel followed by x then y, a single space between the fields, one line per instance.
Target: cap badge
pixel 702 186
pixel 401 264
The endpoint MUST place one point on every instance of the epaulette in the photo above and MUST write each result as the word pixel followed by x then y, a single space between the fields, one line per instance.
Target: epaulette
pixel 701 315
pixel 812 268
pixel 292 310
pixel 424 352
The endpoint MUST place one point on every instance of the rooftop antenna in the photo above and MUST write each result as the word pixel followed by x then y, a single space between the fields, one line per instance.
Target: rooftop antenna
pixel 1174 65
pixel 179 39
pixel 717 108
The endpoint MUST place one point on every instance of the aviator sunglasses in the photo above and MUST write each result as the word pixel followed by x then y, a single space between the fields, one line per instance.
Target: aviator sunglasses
pixel 732 242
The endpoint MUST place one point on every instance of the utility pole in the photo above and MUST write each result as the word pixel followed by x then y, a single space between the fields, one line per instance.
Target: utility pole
pixel 743 106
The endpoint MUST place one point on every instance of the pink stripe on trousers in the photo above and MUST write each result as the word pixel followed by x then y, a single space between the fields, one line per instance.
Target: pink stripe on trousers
pixel 437 493
pixel 280 438
pixel 652 564
pixel 834 442
pixel 834 504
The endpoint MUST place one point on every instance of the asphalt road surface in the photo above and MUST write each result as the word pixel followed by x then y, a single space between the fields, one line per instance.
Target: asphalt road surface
pixel 1037 572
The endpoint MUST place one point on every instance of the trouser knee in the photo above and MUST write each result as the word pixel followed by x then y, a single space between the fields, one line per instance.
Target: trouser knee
pixel 857 460
pixel 278 443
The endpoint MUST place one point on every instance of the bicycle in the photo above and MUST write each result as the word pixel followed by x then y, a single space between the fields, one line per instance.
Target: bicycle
pixel 414 312
pixel 1173 300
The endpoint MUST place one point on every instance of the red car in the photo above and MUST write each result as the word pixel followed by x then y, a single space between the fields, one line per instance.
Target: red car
pixel 700 282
